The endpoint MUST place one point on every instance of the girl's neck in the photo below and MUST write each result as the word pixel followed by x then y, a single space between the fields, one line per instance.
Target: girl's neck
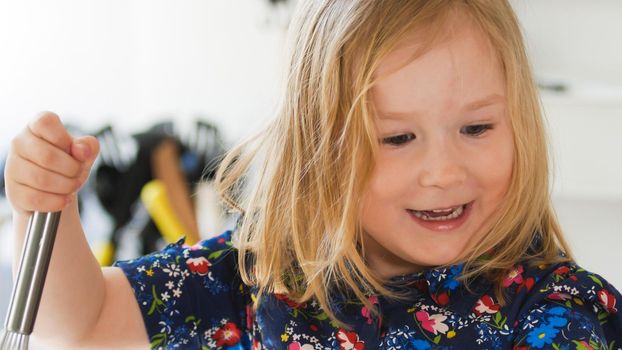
pixel 384 263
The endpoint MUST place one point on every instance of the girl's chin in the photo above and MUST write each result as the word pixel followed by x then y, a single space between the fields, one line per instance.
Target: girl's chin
pixel 433 259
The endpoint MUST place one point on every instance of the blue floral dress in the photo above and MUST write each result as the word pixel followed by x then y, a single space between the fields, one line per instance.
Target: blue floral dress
pixel 193 298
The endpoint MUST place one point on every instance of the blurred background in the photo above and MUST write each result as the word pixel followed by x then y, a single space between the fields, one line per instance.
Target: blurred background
pixel 187 79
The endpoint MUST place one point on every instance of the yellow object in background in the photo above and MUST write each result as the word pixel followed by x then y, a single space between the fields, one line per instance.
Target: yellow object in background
pixel 104 253
pixel 155 199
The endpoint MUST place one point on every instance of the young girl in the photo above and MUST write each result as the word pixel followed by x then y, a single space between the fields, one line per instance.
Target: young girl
pixel 399 200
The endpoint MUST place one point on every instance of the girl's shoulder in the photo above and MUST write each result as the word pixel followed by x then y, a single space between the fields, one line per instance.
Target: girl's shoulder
pixel 565 283
pixel 563 300
pixel 190 294
pixel 214 257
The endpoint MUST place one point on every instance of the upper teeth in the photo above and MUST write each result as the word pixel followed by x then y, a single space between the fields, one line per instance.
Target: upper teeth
pixel 454 213
pixel 442 210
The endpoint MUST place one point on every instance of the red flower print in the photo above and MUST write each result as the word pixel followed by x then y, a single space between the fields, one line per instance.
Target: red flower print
pixel 229 335
pixel 559 296
pixel 250 316
pixel 608 300
pixel 433 324
pixel 366 312
pixel 349 340
pixel 527 284
pixel 515 276
pixel 198 265
pixel 288 301
pixel 441 299
pixel 297 346
pixel 421 285
pixel 586 346
pixel 562 270
pixel 486 305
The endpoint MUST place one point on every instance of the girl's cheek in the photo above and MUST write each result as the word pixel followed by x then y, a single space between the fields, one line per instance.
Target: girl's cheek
pixel 391 176
pixel 497 170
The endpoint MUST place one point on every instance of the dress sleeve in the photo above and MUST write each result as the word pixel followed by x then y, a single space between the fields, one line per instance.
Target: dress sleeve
pixel 574 309
pixel 191 297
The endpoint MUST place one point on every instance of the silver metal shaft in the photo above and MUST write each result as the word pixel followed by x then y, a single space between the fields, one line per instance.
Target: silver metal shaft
pixel 28 288
pixel 13 341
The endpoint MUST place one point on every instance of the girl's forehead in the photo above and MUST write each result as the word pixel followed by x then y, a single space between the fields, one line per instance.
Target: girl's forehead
pixel 455 28
pixel 455 70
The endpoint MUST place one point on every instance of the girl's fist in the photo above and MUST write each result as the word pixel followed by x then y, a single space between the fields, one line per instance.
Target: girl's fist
pixel 46 166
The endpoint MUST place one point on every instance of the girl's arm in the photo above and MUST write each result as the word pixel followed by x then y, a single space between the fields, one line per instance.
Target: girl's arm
pixel 45 168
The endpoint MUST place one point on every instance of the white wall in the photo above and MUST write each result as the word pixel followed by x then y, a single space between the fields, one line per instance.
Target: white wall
pixel 577 44
pixel 574 39
pixel 133 62
pixel 73 57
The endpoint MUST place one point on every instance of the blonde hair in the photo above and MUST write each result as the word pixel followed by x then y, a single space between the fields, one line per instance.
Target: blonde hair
pixel 300 231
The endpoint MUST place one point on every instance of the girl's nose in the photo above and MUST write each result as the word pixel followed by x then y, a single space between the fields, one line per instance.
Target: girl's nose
pixel 442 167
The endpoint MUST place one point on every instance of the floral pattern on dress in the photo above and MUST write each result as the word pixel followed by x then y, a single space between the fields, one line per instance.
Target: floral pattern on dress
pixel 192 297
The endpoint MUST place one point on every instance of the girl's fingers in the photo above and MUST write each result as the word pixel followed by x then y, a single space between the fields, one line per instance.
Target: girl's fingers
pixel 85 149
pixel 49 127
pixel 45 155
pixel 26 173
pixel 46 166
pixel 34 200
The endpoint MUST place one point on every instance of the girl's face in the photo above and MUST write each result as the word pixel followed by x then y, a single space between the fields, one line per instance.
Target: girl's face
pixel 445 144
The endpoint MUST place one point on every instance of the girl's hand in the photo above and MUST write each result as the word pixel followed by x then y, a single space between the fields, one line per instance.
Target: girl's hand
pixel 46 166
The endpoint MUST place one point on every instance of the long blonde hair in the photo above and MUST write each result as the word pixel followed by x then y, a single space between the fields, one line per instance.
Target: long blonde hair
pixel 298 183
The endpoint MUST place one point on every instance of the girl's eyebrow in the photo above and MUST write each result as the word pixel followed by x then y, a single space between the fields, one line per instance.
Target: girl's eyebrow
pixel 471 106
pixel 484 102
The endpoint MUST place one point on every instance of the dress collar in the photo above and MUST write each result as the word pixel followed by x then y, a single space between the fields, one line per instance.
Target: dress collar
pixel 436 280
pixel 442 286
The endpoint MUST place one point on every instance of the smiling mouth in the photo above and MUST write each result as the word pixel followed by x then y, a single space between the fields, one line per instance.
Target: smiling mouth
pixel 440 214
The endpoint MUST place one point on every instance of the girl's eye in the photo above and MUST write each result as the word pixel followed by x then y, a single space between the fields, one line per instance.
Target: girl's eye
pixel 398 140
pixel 476 130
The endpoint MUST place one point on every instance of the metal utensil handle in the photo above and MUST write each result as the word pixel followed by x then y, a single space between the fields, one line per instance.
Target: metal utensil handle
pixel 33 267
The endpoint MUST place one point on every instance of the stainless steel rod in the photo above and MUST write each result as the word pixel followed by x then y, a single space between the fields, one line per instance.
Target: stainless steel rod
pixel 14 341
pixel 33 267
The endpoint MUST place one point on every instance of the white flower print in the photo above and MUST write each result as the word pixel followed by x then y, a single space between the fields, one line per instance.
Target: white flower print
pixel 172 270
